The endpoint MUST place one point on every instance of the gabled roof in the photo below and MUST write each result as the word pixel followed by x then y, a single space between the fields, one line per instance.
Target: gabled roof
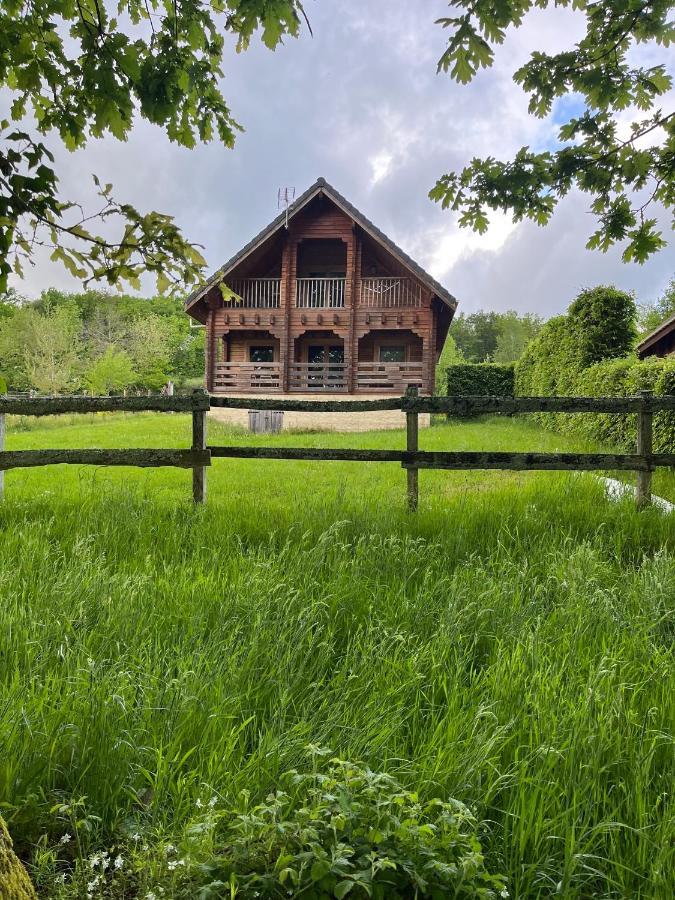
pixel 321 186
pixel 664 329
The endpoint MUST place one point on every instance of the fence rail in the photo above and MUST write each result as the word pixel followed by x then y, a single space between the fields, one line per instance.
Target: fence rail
pixel 412 459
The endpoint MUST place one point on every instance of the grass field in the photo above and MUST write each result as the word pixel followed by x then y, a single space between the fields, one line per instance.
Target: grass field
pixel 510 646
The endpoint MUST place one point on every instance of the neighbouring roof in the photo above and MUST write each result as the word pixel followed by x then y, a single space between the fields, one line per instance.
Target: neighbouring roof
pixel 664 329
pixel 321 186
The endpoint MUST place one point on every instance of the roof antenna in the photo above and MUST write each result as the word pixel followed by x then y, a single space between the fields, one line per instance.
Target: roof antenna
pixel 285 196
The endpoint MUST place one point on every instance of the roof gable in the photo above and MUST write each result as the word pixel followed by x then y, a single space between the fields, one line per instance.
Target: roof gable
pixel 665 328
pixel 319 187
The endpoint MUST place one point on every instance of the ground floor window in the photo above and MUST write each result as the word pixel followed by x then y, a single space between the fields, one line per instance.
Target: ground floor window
pixel 262 354
pixel 392 354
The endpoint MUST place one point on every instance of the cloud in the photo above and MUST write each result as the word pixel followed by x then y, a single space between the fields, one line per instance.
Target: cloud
pixel 360 103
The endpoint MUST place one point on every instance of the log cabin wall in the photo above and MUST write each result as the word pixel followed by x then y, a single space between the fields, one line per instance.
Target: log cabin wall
pixel 323 242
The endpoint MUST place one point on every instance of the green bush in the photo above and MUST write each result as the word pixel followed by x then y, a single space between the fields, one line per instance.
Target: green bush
pixel 589 353
pixel 349 831
pixel 481 379
pixel 3 385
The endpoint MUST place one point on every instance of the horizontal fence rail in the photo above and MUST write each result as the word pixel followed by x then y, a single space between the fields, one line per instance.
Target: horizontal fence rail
pixel 412 459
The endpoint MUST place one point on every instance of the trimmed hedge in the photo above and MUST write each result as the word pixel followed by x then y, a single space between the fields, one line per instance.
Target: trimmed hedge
pixel 563 361
pixel 481 379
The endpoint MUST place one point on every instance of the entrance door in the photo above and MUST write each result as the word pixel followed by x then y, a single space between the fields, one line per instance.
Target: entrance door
pixel 326 366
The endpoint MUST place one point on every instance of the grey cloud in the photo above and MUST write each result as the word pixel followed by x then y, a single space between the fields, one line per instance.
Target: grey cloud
pixel 364 86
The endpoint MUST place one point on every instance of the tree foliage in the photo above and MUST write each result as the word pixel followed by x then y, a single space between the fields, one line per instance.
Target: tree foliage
pixel 88 69
pixel 653 314
pixel 625 171
pixel 98 342
pixel 492 336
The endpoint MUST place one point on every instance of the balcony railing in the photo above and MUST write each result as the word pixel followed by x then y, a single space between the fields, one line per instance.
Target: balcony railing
pixel 378 293
pixel 317 377
pixel 320 293
pixel 247 377
pixel 389 376
pixel 255 293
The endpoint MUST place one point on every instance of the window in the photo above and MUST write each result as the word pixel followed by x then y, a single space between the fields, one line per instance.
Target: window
pixel 261 354
pixel 392 354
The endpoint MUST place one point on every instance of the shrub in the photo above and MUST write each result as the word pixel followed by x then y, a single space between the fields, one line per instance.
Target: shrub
pixel 352 832
pixel 481 379
pixel 603 324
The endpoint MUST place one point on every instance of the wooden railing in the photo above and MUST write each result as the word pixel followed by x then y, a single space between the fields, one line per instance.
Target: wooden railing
pixel 389 376
pixel 320 293
pixel 412 459
pixel 310 377
pixel 381 293
pixel 247 377
pixel 255 293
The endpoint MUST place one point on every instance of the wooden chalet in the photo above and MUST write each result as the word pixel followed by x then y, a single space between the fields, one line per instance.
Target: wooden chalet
pixel 661 342
pixel 325 303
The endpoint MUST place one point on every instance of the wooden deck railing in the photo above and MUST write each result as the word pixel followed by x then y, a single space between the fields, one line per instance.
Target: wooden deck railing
pixel 320 293
pixel 412 459
pixel 384 293
pixel 389 376
pixel 247 377
pixel 324 377
pixel 255 293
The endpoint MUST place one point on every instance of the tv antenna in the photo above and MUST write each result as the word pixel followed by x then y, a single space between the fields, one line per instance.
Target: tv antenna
pixel 285 196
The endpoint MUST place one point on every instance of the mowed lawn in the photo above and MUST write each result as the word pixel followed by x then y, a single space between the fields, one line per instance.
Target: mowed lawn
pixel 510 645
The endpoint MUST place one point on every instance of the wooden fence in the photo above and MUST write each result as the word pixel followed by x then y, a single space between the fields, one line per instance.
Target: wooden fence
pixel 412 459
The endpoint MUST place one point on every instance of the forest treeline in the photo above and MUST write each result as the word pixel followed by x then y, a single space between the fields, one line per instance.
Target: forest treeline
pixel 97 342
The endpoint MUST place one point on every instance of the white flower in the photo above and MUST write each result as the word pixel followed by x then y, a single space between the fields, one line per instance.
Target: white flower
pixel 172 865
pixel 169 849
pixel 199 803
pixel 95 860
pixel 504 893
pixel 151 896
pixel 92 884
pixel 213 801
pixel 65 838
pixel 135 836
pixel 105 863
pixel 119 862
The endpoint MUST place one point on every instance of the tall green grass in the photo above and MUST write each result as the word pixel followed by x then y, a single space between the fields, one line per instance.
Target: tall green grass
pixel 510 645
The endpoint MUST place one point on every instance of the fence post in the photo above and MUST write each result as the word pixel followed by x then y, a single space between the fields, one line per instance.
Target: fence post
pixel 412 445
pixel 198 443
pixel 644 448
pixel 2 447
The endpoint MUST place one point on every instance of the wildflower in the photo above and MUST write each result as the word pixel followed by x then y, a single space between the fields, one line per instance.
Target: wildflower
pixel 119 862
pixel 213 801
pixel 65 838
pixel 504 893
pixel 151 896
pixel 95 860
pixel 169 849
pixel 92 884
pixel 105 862
pixel 199 803
pixel 135 836
pixel 174 863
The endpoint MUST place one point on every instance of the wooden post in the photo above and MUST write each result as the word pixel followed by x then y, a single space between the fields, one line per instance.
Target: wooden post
pixel 2 447
pixel 644 448
pixel 412 445
pixel 198 443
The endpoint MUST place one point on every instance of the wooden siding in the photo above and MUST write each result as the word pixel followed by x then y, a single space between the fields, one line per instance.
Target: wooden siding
pixel 361 322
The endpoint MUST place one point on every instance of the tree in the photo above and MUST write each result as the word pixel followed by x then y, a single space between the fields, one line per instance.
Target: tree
pixel 624 173
pixel 150 350
pixel 602 324
pixel 112 371
pixel 450 356
pixel 88 69
pixel 476 335
pixel 653 314
pixel 515 332
pixel 51 357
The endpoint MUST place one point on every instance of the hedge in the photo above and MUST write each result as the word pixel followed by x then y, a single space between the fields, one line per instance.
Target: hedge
pixel 481 379
pixel 563 360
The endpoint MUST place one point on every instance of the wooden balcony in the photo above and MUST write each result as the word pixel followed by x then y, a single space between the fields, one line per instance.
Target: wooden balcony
pixel 320 293
pixel 309 377
pixel 377 376
pixel 390 292
pixel 247 378
pixel 255 293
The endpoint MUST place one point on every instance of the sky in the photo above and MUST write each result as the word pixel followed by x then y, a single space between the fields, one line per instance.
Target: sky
pixel 360 104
